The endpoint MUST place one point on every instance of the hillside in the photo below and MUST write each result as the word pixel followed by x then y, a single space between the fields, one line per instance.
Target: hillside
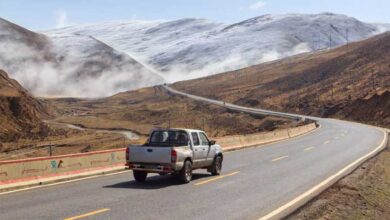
pixel 143 109
pixel 349 82
pixel 68 65
pixel 20 114
pixel 83 125
pixel 188 48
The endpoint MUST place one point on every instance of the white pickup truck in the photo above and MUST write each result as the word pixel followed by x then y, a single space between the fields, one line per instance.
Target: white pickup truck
pixel 174 151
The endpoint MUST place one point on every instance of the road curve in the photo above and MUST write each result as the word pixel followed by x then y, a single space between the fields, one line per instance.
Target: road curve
pixel 265 182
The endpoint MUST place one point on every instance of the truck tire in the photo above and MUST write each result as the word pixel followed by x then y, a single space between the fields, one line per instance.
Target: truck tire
pixel 185 174
pixel 217 166
pixel 140 176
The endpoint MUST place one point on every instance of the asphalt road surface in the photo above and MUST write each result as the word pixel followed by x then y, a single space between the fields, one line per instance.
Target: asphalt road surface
pixel 264 181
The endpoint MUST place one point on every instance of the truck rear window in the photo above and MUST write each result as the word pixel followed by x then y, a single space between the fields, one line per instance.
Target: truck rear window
pixel 168 138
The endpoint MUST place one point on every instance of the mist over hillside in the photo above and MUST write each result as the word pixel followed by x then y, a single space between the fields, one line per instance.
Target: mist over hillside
pixel 104 59
pixel 78 66
pixel 190 48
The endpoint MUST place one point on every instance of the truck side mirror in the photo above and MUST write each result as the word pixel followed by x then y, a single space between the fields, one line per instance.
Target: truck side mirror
pixel 212 142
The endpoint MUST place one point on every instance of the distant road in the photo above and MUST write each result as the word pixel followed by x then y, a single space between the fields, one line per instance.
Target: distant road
pixel 264 182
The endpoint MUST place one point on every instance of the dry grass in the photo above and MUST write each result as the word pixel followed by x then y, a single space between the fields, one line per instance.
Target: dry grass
pixel 138 111
pixel 329 83
pixel 144 109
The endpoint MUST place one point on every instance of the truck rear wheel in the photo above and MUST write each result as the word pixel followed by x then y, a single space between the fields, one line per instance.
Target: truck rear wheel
pixel 185 175
pixel 217 166
pixel 140 176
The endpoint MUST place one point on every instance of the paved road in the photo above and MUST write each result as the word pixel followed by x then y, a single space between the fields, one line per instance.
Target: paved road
pixel 255 182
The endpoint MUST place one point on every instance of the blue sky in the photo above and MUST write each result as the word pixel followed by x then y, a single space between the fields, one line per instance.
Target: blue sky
pixel 47 14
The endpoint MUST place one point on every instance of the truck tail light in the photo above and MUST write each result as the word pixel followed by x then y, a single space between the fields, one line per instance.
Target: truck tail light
pixel 127 154
pixel 173 156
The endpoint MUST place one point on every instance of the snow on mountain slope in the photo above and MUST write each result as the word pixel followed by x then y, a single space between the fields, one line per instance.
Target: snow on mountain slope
pixel 73 65
pixel 189 48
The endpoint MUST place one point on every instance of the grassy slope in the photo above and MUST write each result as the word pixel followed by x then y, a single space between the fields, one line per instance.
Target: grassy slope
pixel 20 113
pixel 350 82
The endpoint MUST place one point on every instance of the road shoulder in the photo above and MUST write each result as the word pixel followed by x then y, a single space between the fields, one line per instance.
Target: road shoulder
pixel 363 194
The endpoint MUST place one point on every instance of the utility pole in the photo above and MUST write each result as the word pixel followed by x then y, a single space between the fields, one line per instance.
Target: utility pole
pixel 332 93
pixel 50 150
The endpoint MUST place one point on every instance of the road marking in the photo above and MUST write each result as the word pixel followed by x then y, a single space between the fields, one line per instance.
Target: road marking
pixel 279 158
pixel 326 142
pixel 330 180
pixel 275 142
pixel 309 148
pixel 88 214
pixel 63 182
pixel 215 178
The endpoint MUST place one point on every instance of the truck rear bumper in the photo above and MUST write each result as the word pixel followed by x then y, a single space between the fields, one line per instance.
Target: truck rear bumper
pixel 151 168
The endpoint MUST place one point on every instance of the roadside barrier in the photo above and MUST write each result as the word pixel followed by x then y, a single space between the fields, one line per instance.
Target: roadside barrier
pixel 42 167
pixel 239 141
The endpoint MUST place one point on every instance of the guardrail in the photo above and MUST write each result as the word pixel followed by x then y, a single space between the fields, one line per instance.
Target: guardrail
pixel 236 107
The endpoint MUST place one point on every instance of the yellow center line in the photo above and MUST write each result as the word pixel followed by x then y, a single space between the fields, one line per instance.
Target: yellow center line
pixel 309 148
pixel 326 142
pixel 216 178
pixel 87 214
pixel 279 158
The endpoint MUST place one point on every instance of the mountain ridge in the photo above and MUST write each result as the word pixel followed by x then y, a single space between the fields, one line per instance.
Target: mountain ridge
pixel 68 65
pixel 190 48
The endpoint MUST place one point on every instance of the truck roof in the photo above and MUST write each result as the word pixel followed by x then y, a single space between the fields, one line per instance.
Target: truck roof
pixel 177 129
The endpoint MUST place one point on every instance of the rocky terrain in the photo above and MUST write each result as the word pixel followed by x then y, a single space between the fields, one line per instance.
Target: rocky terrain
pixel 20 114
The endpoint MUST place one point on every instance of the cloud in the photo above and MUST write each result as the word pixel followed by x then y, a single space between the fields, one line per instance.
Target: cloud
pixel 62 19
pixel 258 5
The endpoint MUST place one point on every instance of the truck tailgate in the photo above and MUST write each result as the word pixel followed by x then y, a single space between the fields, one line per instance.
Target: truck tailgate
pixel 145 154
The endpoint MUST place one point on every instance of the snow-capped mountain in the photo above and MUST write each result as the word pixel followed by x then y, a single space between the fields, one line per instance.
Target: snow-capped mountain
pixel 189 48
pixel 73 65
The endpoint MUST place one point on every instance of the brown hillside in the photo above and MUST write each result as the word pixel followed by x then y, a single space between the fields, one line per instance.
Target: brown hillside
pixel 347 82
pixel 20 113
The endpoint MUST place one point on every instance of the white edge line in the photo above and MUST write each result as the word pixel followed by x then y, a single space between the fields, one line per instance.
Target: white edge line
pixel 318 187
pixel 63 182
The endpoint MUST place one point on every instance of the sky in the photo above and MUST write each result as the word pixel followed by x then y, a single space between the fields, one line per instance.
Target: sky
pixel 49 14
